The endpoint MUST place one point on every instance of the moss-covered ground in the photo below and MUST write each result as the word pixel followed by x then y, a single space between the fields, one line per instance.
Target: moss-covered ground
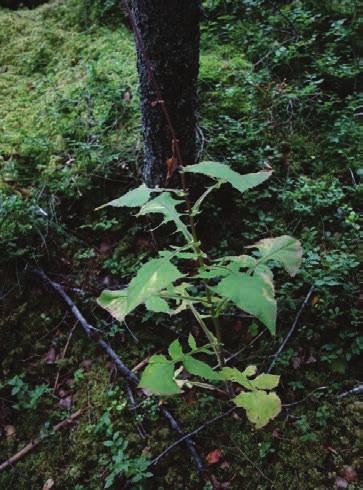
pixel 278 87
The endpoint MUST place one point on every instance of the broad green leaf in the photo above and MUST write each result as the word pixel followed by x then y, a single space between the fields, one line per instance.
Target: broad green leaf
pixel 158 377
pixel 134 198
pixel 157 305
pixel 200 368
pixel 175 350
pixel 260 406
pixel 233 374
pixel 284 249
pixel 166 205
pixel 224 173
pixel 151 278
pixel 191 342
pixel 253 294
pixel 266 381
pixel 261 382
pixel 115 302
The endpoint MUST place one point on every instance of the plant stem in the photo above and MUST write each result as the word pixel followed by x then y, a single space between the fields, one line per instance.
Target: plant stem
pixel 215 319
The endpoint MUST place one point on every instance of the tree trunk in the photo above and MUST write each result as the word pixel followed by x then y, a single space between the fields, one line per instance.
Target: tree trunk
pixel 170 33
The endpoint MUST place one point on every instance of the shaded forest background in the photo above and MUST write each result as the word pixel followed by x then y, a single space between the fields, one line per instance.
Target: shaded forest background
pixel 277 87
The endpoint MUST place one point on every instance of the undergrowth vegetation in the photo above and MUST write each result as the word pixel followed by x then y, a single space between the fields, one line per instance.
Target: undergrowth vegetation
pixel 277 89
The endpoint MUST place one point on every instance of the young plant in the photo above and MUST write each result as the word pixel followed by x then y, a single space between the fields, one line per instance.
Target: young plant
pixel 244 281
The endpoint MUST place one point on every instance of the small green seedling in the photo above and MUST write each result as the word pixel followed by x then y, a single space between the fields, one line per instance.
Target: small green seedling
pixel 244 281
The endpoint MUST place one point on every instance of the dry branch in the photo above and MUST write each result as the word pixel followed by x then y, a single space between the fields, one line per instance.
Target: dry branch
pixel 35 442
pixel 190 434
pixel 291 331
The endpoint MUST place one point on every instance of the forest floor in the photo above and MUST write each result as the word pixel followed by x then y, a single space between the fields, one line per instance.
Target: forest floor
pixel 278 87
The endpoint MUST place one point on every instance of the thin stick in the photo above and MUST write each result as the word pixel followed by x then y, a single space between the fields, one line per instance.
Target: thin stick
pixel 63 355
pixel 305 398
pixel 291 331
pixel 190 434
pixel 357 390
pixel 253 464
pixel 35 442
pixel 236 354
pixel 122 368
pixel 133 408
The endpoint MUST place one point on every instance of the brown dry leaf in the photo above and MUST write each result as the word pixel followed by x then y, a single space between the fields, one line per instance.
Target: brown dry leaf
pixel 10 431
pixel 237 326
pixel 276 434
pixel 349 474
pixel 214 456
pixel 51 356
pixel 171 165
pixel 48 484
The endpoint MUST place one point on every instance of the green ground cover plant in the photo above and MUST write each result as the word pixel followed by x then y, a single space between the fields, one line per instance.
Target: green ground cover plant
pixel 278 88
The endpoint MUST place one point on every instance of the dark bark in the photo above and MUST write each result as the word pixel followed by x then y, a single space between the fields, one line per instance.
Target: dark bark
pixel 170 33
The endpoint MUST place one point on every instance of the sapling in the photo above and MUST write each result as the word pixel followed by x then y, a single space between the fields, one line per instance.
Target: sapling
pixel 245 281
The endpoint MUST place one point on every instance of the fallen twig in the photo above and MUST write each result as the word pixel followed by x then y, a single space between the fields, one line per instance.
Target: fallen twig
pixel 133 408
pixel 190 434
pixel 357 390
pixel 122 368
pixel 285 405
pixel 291 331
pixel 35 442
pixel 63 355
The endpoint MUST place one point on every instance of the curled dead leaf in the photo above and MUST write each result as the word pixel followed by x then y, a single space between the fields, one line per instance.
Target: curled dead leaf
pixel 9 431
pixel 171 164
pixel 214 456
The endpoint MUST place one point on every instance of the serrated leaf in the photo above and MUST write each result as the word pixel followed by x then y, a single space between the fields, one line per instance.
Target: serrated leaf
pixel 157 305
pixel 200 368
pixel 253 294
pixel 151 278
pixel 115 302
pixel 261 407
pixel 175 350
pixel 266 381
pixel 224 173
pixel 166 205
pixel 158 377
pixel 134 198
pixel 191 342
pixel 284 249
pixel 233 374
